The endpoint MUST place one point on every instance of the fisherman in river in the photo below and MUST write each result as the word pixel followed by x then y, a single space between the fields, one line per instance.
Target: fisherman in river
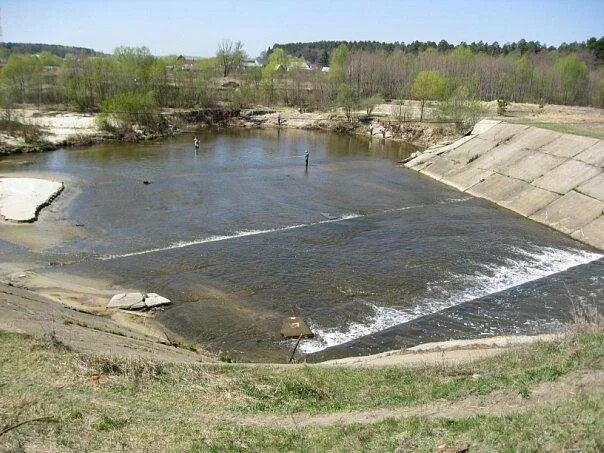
pixel 306 155
pixel 196 143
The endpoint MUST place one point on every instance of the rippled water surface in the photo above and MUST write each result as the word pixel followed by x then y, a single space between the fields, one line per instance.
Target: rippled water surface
pixel 373 256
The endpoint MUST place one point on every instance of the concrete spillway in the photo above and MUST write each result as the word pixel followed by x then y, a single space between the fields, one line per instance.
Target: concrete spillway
pixel 547 176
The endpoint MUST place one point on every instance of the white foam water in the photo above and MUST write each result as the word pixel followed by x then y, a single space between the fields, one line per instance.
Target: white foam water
pixel 240 234
pixel 532 265
pixel 236 235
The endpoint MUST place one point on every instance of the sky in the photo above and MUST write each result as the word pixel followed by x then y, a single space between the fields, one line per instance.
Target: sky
pixel 194 28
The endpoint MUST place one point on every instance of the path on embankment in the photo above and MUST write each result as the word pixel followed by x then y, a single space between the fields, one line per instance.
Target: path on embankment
pixel 547 176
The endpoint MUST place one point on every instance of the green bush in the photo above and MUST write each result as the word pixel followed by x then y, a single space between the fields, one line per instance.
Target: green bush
pixel 130 109
pixel 368 104
pixel 461 108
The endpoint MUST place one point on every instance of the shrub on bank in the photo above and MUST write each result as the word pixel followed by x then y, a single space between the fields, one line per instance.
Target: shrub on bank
pixel 129 111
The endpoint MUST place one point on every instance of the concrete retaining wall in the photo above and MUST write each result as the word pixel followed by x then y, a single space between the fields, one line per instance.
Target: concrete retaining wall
pixel 547 176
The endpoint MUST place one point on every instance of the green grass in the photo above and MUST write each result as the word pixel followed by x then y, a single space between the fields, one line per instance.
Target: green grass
pixel 567 128
pixel 138 405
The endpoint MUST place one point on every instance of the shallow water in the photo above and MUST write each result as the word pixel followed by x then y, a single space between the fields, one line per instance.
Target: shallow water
pixel 373 256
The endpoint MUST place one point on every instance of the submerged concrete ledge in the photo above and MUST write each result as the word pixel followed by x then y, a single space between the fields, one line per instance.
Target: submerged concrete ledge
pixel 547 176
pixel 21 199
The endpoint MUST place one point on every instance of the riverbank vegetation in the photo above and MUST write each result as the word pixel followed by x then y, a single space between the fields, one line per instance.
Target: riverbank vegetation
pixel 422 82
pixel 104 403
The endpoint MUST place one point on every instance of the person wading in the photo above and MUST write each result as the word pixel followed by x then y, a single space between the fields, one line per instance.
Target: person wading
pixel 306 155
pixel 196 142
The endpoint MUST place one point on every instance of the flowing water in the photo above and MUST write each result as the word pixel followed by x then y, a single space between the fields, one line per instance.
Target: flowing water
pixel 239 235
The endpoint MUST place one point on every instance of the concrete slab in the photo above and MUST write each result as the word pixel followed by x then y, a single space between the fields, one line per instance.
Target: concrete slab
pixel 570 212
pixel 534 138
pixel 471 150
pixel 126 300
pixel 568 145
pixel 593 187
pixel 529 200
pixel 503 132
pixel 155 300
pixel 502 156
pixel 566 176
pixel 22 198
pixel 419 164
pixel 464 178
pixel 592 233
pixel 484 125
pixel 497 188
pixel 438 167
pixel 593 155
pixel 534 165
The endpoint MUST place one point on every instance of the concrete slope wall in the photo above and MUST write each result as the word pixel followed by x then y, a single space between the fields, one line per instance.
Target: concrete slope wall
pixel 547 176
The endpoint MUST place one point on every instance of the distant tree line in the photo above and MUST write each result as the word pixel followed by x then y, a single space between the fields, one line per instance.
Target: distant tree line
pixel 131 85
pixel 6 48
pixel 319 52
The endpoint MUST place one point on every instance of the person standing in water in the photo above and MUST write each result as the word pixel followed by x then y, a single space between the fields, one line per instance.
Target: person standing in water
pixel 306 155
pixel 196 142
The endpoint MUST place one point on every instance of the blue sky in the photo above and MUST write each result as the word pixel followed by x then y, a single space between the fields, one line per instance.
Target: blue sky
pixel 195 27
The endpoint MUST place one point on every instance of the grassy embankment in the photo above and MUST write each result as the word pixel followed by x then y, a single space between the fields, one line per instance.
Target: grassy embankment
pixel 107 404
pixel 576 129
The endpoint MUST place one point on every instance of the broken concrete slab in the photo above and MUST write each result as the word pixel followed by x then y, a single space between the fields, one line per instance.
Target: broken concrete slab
pixel 464 178
pixel 592 233
pixel 295 327
pixel 570 212
pixel 497 188
pixel 21 199
pixel 530 200
pixel 593 187
pixel 155 300
pixel 566 176
pixel 532 166
pixel 137 301
pixel 126 300
pixel 568 145
pixel 594 155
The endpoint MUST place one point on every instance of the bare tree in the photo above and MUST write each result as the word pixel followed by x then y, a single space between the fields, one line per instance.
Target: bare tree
pixel 230 56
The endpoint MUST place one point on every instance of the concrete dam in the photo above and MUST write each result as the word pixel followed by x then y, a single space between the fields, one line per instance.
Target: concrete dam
pixel 550 177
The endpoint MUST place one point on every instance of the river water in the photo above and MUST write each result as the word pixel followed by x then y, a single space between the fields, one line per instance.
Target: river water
pixel 373 256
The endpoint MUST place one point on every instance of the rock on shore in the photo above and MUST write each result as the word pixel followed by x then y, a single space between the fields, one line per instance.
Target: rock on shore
pixel 137 301
pixel 21 199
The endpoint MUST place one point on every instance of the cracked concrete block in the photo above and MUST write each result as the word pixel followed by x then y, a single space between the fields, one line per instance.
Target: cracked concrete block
pixel 464 178
pixel 503 132
pixel 534 138
pixel 570 212
pixel 593 187
pixel 594 155
pixel 438 167
pixel 497 188
pixel 529 200
pixel 568 145
pixel 471 150
pixel 502 156
pixel 532 166
pixel 566 176
pixel 592 233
